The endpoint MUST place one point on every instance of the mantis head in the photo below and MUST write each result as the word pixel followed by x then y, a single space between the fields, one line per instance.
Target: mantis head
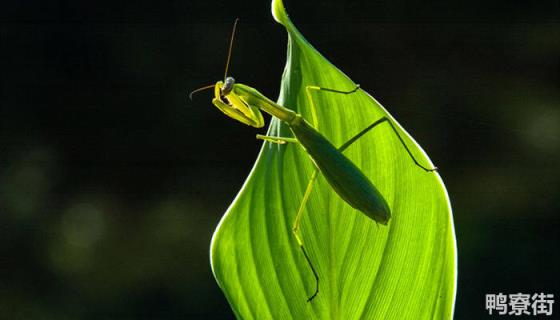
pixel 232 100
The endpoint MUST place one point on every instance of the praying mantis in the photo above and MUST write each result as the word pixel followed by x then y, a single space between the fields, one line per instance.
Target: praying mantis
pixel 244 104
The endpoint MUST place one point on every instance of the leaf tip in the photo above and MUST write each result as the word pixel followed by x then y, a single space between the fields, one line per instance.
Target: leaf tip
pixel 278 12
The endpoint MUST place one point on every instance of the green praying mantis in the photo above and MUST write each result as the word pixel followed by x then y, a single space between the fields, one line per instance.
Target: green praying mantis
pixel 244 104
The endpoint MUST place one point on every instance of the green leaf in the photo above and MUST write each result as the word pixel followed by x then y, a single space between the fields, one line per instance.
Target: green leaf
pixel 406 270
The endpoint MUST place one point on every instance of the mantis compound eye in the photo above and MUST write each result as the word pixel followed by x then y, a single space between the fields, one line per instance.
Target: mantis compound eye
pixel 228 85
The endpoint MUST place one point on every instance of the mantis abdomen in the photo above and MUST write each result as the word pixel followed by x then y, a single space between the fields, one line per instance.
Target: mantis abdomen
pixel 345 178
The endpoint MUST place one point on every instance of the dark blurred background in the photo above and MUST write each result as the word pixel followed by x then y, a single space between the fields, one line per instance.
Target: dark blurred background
pixel 112 182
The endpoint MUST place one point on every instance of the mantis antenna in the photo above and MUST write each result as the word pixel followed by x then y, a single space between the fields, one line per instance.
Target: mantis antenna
pixel 227 61
pixel 230 46
pixel 200 89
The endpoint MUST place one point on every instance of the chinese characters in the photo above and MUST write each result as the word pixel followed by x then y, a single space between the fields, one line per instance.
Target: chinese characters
pixel 518 304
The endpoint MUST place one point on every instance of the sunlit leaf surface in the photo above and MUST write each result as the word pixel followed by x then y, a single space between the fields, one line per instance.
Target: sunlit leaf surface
pixel 406 270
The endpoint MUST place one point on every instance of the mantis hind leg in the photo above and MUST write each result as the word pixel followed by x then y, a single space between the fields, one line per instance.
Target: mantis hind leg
pixel 295 231
pixel 312 104
pixel 299 215
pixel 309 188
pixel 364 131
pixel 297 221
pixel 375 124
